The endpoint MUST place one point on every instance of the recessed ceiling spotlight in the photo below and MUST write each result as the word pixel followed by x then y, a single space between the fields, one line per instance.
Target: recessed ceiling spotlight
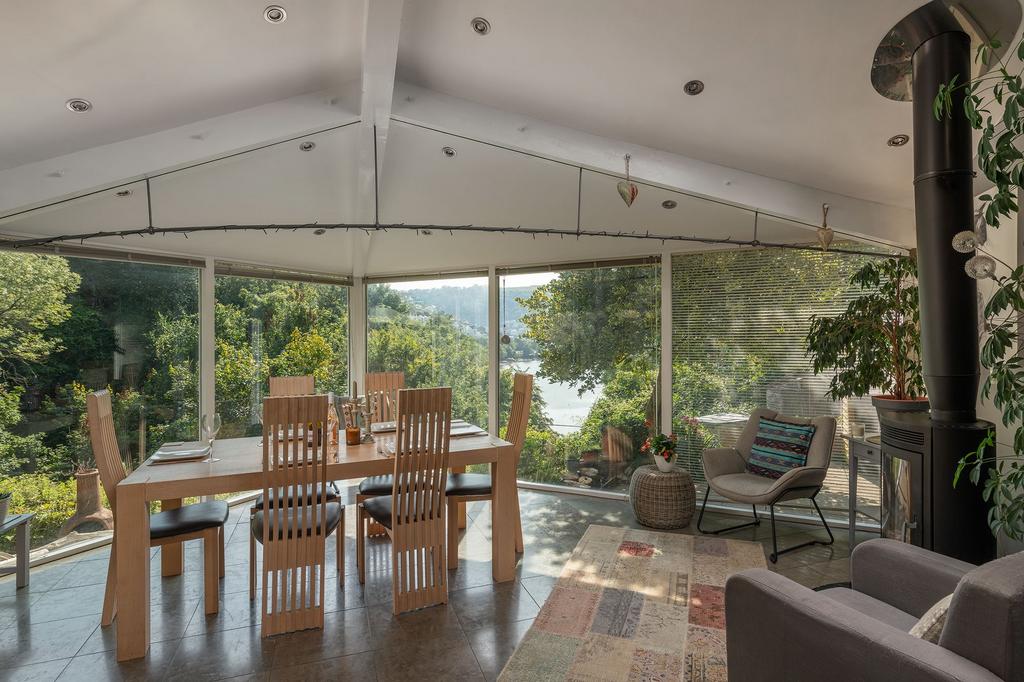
pixel 124 193
pixel 79 106
pixel 669 203
pixel 693 87
pixel 307 146
pixel 898 140
pixel 319 231
pixel 449 152
pixel 275 14
pixel 481 26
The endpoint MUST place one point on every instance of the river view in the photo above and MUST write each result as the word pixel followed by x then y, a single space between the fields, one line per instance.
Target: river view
pixel 566 407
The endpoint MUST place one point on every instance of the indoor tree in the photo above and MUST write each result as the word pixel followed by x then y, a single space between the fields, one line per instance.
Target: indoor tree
pixel 992 103
pixel 876 342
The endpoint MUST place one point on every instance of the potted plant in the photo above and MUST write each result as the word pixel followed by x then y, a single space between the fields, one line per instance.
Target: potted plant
pixel 1000 159
pixel 89 509
pixel 876 342
pixel 662 449
pixel 5 503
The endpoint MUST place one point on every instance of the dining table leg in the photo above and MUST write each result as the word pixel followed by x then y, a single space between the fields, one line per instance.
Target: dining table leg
pixel 172 558
pixel 503 555
pixel 131 526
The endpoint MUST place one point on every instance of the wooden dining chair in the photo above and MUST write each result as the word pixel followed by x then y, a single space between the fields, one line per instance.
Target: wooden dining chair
pixel 293 524
pixel 300 385
pixel 384 386
pixel 190 522
pixel 473 487
pixel 413 515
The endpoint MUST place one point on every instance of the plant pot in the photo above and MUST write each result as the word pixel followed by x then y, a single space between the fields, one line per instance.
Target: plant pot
pixel 90 514
pixel 5 502
pixel 886 403
pixel 664 465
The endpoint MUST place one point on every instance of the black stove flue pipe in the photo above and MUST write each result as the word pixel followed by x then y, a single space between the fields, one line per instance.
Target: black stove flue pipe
pixel 944 201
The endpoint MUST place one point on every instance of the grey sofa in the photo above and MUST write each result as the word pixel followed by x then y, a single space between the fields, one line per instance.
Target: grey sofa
pixel 780 630
pixel 725 470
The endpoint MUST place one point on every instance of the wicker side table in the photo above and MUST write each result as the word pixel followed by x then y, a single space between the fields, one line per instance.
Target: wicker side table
pixel 662 500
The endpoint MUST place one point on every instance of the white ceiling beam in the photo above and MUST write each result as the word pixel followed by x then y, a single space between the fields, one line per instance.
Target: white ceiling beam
pixel 382 25
pixel 381 29
pixel 891 224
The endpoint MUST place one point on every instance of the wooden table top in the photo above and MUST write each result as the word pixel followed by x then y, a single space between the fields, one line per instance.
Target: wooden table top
pixel 238 466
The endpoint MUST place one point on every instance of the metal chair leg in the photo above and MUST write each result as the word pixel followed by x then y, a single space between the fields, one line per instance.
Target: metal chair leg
pixel 776 552
pixel 755 522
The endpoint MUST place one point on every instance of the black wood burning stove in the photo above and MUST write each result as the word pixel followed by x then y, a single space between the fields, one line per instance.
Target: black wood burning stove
pixel 920 450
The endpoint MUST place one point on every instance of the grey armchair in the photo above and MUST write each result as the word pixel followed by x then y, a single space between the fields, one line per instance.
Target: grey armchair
pixel 725 470
pixel 779 630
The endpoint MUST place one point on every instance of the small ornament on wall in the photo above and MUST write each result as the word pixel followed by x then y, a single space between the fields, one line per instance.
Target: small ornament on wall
pixel 628 189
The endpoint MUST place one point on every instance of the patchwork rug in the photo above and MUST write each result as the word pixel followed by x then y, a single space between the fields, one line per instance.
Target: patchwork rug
pixel 635 605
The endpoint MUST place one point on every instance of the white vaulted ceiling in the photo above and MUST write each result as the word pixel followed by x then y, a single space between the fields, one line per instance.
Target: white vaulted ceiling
pixel 787 95
pixel 210 102
pixel 149 65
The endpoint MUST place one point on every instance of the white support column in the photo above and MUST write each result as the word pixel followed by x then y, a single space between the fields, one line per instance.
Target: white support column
pixel 666 342
pixel 493 350
pixel 207 335
pixel 357 332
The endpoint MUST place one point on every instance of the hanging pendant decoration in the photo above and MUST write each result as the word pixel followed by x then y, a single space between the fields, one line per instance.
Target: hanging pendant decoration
pixel 628 189
pixel 825 233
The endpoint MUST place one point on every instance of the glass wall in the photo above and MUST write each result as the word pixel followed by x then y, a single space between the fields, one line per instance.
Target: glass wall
pixel 436 332
pixel 75 325
pixel 739 325
pixel 271 327
pixel 591 337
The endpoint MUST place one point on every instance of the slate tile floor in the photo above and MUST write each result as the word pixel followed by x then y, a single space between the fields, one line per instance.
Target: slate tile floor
pixel 51 630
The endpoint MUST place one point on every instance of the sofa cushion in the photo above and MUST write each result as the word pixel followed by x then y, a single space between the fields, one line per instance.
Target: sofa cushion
pixel 929 627
pixel 874 608
pixel 779 447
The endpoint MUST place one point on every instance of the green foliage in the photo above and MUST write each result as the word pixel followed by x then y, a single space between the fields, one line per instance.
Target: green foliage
pixel 587 322
pixel 1002 162
pixel 52 501
pixel 33 298
pixel 876 342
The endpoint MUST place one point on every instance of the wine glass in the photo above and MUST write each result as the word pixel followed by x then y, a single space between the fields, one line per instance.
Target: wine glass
pixel 211 427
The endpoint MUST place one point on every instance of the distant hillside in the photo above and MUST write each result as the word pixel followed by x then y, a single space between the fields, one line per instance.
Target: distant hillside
pixel 469 305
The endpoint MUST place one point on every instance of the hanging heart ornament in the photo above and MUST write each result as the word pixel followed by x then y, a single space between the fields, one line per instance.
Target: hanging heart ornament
pixel 628 191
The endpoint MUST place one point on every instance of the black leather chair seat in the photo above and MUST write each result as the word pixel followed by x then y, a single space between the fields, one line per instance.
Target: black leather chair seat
pixel 467 485
pixel 379 509
pixel 293 521
pixel 377 485
pixel 333 495
pixel 190 518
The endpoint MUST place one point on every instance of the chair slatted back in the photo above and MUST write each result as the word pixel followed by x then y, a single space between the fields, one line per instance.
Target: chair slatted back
pixel 103 438
pixel 300 385
pixel 384 386
pixel 418 512
pixel 519 412
pixel 295 457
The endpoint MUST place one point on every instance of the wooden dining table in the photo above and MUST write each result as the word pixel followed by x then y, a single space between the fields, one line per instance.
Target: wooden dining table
pixel 237 466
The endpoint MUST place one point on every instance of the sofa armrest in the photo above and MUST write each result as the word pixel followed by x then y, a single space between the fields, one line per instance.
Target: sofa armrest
pixel 721 461
pixel 903 575
pixel 780 630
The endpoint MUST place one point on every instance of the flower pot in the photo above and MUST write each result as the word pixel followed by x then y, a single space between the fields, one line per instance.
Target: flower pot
pixel 90 514
pixel 4 504
pixel 665 465
pixel 887 404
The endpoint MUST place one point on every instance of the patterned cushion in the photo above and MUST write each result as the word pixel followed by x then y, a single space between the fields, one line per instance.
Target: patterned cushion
pixel 929 628
pixel 779 447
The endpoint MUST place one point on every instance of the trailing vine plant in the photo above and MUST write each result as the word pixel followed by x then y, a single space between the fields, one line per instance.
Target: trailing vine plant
pixel 1001 353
